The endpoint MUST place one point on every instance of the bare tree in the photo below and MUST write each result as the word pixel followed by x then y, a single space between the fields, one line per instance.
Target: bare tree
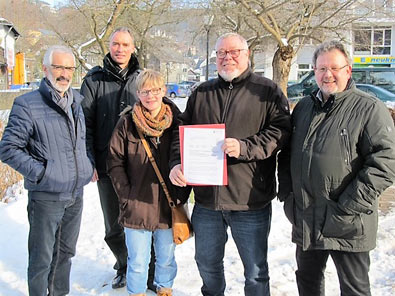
pixel 96 20
pixel 146 17
pixel 291 24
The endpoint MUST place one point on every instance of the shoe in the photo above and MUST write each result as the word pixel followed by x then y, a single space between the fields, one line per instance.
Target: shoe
pixel 164 292
pixel 119 281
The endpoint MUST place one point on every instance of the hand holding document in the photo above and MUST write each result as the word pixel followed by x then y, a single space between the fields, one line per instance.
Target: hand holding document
pixel 203 161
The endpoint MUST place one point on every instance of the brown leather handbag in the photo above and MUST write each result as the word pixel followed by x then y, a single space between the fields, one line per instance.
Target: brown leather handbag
pixel 182 227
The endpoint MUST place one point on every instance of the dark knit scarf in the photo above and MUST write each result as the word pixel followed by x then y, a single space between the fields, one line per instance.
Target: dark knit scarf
pixel 153 127
pixel 110 64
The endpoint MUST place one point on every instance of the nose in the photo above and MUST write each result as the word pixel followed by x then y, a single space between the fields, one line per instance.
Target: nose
pixel 227 55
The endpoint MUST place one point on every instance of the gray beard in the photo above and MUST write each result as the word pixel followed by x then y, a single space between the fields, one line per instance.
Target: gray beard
pixel 229 76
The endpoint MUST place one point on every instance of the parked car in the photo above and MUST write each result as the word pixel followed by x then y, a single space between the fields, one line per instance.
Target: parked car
pixel 187 83
pixel 380 76
pixel 378 92
pixel 177 90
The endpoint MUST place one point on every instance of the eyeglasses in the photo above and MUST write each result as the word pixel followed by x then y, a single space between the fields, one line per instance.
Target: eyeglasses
pixel 60 68
pixel 323 70
pixel 154 92
pixel 234 53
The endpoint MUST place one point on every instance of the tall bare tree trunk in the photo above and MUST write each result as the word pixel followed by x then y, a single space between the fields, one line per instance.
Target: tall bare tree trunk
pixel 282 65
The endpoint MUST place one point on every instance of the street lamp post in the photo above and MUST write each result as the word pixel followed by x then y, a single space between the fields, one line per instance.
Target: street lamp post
pixel 207 26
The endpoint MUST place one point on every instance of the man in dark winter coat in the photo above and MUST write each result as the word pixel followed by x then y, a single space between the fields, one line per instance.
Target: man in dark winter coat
pixel 256 115
pixel 342 157
pixel 107 91
pixel 45 142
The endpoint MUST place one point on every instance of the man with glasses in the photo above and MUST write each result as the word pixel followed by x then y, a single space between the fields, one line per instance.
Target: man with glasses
pixel 256 115
pixel 341 158
pixel 107 91
pixel 45 142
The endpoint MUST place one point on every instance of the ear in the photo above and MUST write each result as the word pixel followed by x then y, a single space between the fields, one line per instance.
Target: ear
pixel 45 69
pixel 349 71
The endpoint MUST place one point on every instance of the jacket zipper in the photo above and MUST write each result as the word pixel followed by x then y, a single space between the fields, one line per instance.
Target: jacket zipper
pixel 227 103
pixel 74 141
pixel 223 118
pixel 346 144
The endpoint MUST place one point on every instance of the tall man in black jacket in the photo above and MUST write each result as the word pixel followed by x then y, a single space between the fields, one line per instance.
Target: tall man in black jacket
pixel 257 120
pixel 107 91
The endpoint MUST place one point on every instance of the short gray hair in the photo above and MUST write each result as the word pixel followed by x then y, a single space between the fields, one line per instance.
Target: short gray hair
pixel 122 29
pixel 47 61
pixel 329 46
pixel 228 35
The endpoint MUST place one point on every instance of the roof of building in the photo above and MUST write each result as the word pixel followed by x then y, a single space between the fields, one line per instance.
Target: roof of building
pixel 7 23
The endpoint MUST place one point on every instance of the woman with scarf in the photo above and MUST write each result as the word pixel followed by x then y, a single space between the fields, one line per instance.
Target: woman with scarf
pixel 144 210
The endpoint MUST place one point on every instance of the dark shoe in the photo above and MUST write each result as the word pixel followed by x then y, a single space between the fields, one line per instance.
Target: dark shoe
pixel 119 281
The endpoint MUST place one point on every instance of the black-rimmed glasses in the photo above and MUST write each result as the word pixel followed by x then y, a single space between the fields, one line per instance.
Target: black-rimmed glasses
pixel 154 92
pixel 234 53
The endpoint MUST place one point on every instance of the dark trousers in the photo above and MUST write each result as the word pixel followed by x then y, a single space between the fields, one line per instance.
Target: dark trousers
pixel 115 236
pixel 250 230
pixel 352 271
pixel 53 234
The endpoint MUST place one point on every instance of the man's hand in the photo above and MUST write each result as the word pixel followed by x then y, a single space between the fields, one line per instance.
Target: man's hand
pixel 177 177
pixel 231 147
pixel 95 176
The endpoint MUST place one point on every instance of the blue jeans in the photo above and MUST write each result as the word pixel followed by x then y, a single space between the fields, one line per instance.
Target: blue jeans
pixel 138 242
pixel 250 231
pixel 54 230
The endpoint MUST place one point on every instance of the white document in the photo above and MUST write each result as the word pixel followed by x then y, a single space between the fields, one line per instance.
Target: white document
pixel 204 162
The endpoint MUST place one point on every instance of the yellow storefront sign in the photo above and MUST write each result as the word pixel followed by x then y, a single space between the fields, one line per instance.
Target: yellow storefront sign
pixel 374 60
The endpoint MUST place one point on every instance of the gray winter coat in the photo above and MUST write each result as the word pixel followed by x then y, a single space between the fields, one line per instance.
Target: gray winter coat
pixel 39 142
pixel 342 158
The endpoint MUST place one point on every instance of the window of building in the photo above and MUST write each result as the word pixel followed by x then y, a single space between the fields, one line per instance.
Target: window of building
pixel 303 69
pixel 372 41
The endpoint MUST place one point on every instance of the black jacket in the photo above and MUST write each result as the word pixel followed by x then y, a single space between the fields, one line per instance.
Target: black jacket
pixel 106 94
pixel 255 112
pixel 42 144
pixel 342 157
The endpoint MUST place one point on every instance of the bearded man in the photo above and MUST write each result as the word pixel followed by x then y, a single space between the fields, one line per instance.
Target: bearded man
pixel 45 142
pixel 256 115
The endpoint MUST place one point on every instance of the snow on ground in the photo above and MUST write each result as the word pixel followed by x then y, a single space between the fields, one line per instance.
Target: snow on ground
pixel 92 267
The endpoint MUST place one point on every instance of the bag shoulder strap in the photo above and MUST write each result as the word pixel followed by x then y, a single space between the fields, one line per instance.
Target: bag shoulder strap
pixel 156 169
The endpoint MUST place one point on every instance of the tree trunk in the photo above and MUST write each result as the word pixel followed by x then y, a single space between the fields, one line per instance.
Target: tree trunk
pixel 282 65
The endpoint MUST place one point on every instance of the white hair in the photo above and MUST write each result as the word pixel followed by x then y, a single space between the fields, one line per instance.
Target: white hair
pixel 47 61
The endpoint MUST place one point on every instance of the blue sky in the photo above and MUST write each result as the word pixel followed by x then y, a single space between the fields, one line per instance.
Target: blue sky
pixel 55 2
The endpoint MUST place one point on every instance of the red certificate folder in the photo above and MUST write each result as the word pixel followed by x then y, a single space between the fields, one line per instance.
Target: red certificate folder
pixel 202 126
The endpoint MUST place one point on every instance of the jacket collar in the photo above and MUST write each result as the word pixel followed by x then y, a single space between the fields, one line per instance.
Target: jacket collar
pixel 113 68
pixel 236 82
pixel 47 94
pixel 334 98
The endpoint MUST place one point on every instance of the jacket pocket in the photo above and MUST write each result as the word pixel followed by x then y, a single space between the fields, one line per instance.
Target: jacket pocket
pixel 289 208
pixel 339 224
pixel 345 146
